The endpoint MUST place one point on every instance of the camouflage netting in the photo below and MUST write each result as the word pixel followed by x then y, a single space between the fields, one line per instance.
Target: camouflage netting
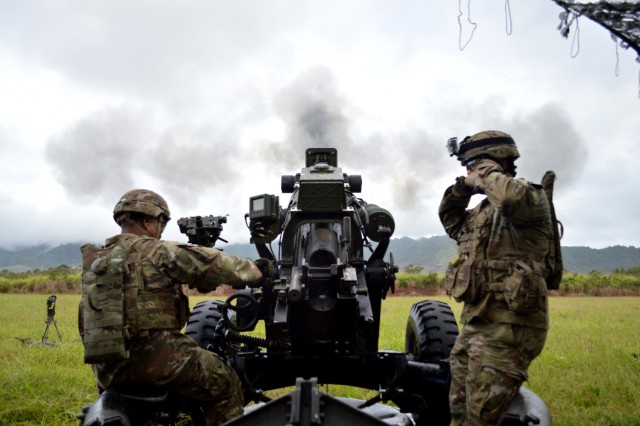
pixel 622 19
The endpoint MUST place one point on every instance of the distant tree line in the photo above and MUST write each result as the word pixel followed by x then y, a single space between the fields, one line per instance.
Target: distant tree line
pixel 67 279
pixel 59 279
pixel 432 254
pixel 621 282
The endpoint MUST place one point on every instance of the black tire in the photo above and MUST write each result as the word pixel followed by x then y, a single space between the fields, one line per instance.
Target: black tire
pixel 203 321
pixel 431 331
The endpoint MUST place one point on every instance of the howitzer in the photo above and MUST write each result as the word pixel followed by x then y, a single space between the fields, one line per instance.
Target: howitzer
pixel 326 295
pixel 321 307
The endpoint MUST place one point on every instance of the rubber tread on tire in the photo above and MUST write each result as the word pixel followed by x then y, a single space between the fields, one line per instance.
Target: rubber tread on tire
pixel 203 322
pixel 431 331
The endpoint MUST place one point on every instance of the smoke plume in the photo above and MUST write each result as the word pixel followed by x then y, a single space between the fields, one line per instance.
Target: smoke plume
pixel 96 156
pixel 107 153
pixel 314 114
pixel 548 140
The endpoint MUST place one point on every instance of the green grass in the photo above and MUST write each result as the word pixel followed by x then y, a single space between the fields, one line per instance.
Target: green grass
pixel 41 384
pixel 588 374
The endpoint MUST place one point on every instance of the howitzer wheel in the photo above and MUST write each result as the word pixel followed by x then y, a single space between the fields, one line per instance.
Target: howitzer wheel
pixel 431 331
pixel 203 321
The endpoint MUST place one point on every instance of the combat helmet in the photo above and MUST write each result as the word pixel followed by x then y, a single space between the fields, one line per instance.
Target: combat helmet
pixel 490 143
pixel 142 201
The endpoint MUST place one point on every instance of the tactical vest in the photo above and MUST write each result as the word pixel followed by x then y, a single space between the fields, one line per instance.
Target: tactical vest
pixel 116 303
pixel 460 280
pixel 492 253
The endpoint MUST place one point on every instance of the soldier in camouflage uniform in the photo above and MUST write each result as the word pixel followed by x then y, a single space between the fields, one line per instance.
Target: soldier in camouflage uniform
pixel 498 275
pixel 133 309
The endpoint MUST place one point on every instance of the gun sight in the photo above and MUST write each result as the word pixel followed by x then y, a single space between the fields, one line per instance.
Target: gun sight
pixel 202 230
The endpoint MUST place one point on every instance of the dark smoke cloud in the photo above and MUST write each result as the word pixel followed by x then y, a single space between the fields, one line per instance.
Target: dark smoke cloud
pixel 96 157
pixel 548 140
pixel 191 161
pixel 411 161
pixel 108 152
pixel 546 137
pixel 314 113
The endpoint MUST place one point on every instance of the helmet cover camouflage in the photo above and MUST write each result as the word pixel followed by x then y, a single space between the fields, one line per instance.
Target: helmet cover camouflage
pixel 142 201
pixel 490 143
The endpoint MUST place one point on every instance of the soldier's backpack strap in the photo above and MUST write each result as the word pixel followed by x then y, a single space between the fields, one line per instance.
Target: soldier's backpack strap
pixel 553 261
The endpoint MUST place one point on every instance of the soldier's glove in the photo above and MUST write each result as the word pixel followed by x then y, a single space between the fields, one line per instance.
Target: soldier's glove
pixel 460 188
pixel 266 266
pixel 479 171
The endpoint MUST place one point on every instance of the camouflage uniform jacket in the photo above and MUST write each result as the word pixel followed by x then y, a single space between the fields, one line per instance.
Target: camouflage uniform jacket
pixel 156 270
pixel 501 247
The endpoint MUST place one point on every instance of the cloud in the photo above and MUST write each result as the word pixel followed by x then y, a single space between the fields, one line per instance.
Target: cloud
pixel 209 103
pixel 161 51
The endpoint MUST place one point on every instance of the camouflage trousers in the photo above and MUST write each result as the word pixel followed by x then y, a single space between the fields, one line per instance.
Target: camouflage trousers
pixel 489 362
pixel 172 360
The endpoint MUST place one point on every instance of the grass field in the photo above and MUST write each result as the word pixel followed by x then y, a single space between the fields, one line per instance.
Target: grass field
pixel 589 372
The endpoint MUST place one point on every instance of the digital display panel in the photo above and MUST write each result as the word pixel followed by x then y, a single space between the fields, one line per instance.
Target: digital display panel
pixel 257 204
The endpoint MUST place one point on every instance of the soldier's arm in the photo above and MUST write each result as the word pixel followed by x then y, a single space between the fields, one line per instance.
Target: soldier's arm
pixel 522 202
pixel 206 268
pixel 453 209
pixel 234 271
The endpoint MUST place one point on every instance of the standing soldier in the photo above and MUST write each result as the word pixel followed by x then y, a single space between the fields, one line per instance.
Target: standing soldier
pixel 133 309
pixel 497 274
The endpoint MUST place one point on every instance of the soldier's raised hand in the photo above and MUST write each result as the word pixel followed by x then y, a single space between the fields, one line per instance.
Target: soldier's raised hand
pixel 478 170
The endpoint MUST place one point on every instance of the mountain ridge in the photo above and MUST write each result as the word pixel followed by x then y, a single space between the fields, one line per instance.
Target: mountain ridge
pixel 430 253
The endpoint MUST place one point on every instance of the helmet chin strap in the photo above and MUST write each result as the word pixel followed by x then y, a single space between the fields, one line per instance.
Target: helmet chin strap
pixel 158 232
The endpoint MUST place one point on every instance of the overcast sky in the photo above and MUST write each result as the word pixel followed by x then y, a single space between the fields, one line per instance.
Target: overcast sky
pixel 210 102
